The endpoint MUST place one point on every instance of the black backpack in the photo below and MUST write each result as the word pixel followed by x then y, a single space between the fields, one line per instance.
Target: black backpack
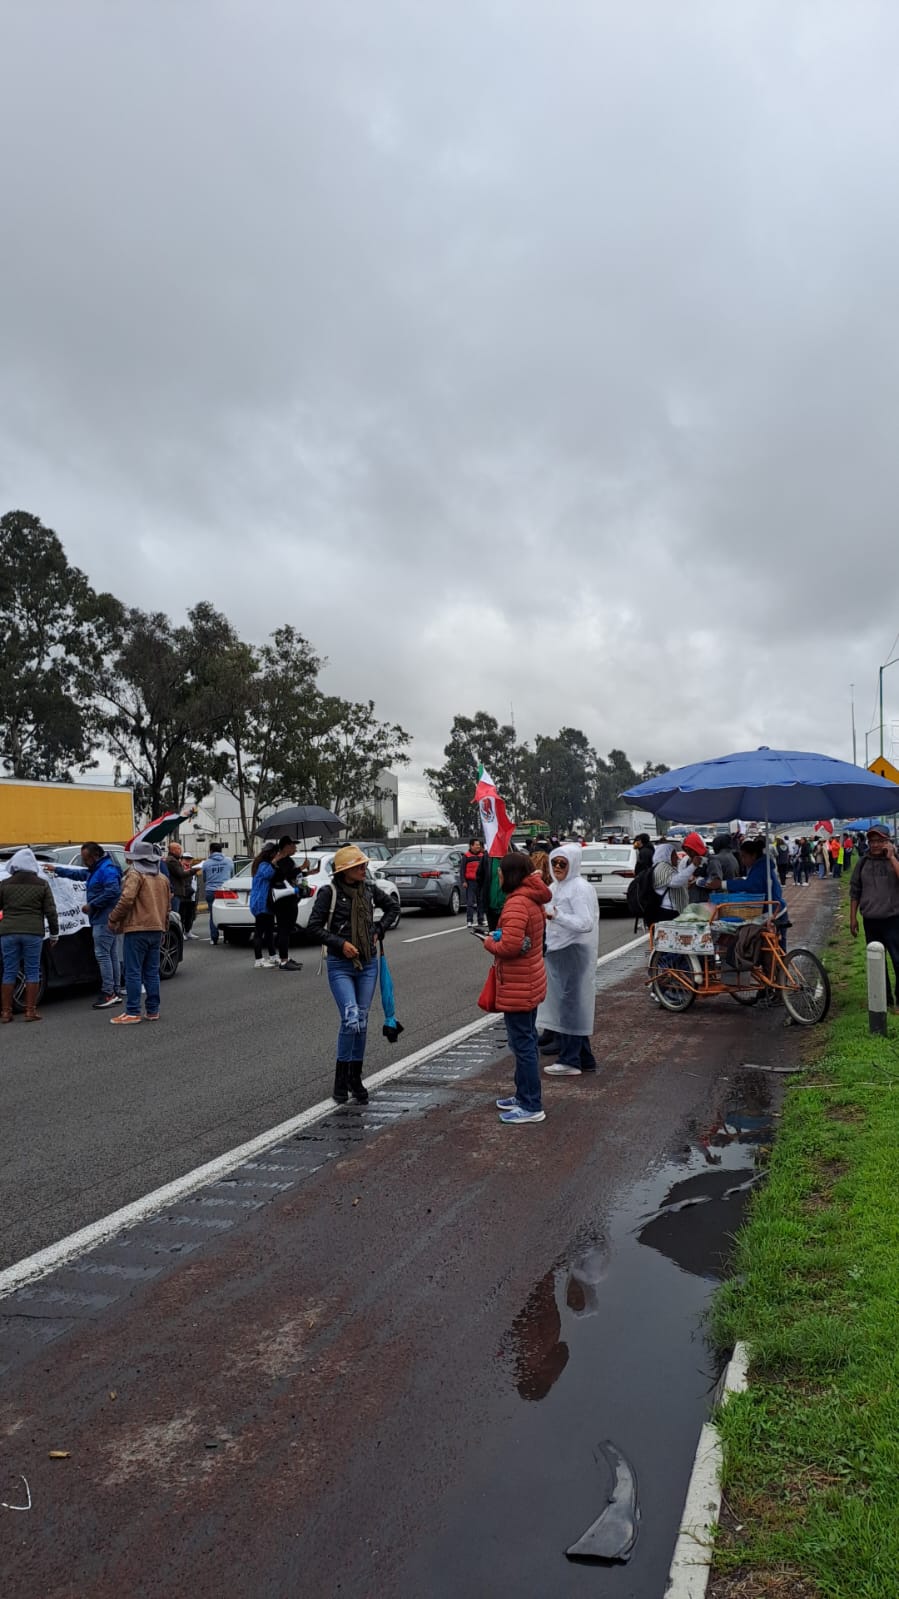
pixel 643 899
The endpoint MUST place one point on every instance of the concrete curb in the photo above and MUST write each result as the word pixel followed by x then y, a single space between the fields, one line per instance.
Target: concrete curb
pixel 691 1565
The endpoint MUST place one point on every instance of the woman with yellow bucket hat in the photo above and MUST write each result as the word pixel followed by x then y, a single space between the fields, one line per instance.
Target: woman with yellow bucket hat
pixel 343 919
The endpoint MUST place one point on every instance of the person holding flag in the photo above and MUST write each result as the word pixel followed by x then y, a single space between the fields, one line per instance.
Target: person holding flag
pixel 498 831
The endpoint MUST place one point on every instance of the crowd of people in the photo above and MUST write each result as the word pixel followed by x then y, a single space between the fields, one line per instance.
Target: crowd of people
pixel 537 917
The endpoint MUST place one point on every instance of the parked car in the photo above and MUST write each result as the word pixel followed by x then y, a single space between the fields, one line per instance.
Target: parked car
pixel 232 900
pixel 374 848
pixel 70 854
pixel 609 869
pixel 70 962
pixel 427 875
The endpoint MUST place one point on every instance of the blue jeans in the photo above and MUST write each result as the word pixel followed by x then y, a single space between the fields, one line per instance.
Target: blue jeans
pixel 142 967
pixel 213 930
pixel 353 991
pixel 106 949
pixel 521 1031
pixel 21 952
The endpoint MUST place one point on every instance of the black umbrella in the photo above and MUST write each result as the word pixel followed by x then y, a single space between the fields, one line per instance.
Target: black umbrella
pixel 299 820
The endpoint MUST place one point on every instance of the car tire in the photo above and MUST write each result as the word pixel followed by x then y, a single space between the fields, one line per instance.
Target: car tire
pixel 236 935
pixel 18 997
pixel 171 951
pixel 454 903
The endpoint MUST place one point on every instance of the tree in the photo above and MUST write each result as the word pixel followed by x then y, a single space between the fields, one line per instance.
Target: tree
pixel 560 778
pixel 474 739
pixel 155 713
pixel 283 740
pixel 55 632
pixel 262 701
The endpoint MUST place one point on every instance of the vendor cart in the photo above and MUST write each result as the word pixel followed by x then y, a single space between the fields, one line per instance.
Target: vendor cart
pixel 692 960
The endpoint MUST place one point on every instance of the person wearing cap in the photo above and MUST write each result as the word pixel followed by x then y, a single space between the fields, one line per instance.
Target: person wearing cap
pixel 676 890
pixel 343 920
pixel 215 870
pixel 142 915
pixel 26 903
pixel 874 893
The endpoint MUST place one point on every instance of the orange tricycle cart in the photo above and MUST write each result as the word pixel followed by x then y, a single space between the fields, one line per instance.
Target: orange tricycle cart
pixel 695 960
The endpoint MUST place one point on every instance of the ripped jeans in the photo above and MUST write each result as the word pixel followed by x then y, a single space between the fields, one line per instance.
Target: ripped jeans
pixel 353 991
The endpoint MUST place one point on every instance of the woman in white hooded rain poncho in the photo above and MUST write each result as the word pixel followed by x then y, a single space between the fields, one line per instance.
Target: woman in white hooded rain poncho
pixel 572 940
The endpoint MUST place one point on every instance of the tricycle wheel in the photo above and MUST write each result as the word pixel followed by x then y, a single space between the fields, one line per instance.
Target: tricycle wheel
pixel 675 992
pixel 809 1000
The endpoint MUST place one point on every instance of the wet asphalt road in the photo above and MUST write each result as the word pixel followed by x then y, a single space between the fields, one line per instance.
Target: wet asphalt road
pixel 392 1378
pixel 94 1116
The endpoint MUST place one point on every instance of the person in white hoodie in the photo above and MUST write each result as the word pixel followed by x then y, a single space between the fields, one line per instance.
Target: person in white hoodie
pixel 572 940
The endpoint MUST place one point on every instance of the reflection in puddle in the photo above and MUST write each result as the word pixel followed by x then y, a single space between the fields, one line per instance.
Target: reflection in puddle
pixel 699 1216
pixel 540 1354
pixel 614 1532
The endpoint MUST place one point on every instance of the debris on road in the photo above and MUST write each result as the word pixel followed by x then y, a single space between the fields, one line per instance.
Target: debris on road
pixel 614 1532
pixel 5 1505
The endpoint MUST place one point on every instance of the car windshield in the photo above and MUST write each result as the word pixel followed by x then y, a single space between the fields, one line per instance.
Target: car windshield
pixel 607 855
pixel 419 857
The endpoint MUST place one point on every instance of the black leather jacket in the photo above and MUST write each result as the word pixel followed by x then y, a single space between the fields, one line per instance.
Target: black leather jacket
pixel 339 932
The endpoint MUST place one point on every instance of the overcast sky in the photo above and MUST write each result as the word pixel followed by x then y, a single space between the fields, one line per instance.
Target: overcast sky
pixel 526 354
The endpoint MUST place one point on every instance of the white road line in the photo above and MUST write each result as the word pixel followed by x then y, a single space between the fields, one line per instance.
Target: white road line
pixel 691 1564
pixel 66 1249
pixel 422 936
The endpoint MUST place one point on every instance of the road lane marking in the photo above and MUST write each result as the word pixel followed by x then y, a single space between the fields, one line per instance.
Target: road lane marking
pixel 51 1258
pixel 422 936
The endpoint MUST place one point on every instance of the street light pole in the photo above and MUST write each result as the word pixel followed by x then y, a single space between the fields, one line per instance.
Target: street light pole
pixel 880 672
pixel 852 698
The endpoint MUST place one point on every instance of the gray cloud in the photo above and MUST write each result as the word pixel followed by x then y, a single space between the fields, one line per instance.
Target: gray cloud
pixel 559 342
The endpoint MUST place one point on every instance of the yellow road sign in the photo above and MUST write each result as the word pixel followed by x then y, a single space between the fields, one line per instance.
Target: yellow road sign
pixel 884 768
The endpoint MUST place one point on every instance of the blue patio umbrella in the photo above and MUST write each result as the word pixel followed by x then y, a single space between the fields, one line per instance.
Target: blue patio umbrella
pixel 765 785
pixel 862 825
pixel 392 1028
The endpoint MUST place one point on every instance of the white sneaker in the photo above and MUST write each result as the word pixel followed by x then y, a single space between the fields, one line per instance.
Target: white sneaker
pixel 562 1071
pixel 268 963
pixel 259 964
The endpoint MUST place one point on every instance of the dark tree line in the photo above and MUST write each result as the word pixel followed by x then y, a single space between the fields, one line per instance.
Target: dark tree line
pixel 557 779
pixel 177 707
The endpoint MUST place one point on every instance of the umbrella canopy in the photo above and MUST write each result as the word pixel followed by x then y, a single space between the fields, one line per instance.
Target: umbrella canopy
pixel 863 824
pixel 297 821
pixel 765 785
pixel 164 825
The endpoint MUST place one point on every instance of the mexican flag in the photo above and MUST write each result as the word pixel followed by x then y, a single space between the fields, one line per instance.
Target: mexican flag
pixel 498 829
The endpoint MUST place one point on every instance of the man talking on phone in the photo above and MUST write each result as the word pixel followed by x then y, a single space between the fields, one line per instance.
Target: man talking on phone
pixel 874 892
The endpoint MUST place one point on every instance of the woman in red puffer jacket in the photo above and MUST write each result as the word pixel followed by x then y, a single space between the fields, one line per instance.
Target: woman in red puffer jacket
pixel 517 948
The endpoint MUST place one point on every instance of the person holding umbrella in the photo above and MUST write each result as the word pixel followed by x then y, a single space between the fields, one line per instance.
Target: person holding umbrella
pixel 343 920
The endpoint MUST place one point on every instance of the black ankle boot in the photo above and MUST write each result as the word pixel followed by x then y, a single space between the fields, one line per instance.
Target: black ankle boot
pixel 357 1087
pixel 341 1075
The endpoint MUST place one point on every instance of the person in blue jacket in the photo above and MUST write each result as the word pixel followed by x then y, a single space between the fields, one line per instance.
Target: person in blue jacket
pixel 103 887
pixel 755 884
pixel 262 907
pixel 215 871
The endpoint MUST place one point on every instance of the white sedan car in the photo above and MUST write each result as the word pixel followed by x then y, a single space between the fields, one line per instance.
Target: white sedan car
pixel 608 868
pixel 232 899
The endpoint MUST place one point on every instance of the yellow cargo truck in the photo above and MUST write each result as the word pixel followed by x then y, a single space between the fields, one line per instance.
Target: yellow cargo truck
pixel 64 813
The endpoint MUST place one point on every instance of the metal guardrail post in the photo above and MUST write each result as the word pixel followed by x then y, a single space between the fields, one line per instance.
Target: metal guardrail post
pixel 875 960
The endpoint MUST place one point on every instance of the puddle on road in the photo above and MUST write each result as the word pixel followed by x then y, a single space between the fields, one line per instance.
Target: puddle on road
pixel 609 1345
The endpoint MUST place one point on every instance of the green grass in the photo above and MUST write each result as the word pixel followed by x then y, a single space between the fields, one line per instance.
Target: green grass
pixel 812 1448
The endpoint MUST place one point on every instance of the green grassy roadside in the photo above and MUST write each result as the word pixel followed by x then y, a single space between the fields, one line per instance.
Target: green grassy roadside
pixel 811 1484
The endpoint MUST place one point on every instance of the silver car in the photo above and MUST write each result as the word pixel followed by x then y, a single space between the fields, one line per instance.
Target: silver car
pixel 427 875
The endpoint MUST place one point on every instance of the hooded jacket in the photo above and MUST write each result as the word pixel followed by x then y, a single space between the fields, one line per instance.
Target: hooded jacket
pixel 517 947
pixel 575 912
pixel 26 900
